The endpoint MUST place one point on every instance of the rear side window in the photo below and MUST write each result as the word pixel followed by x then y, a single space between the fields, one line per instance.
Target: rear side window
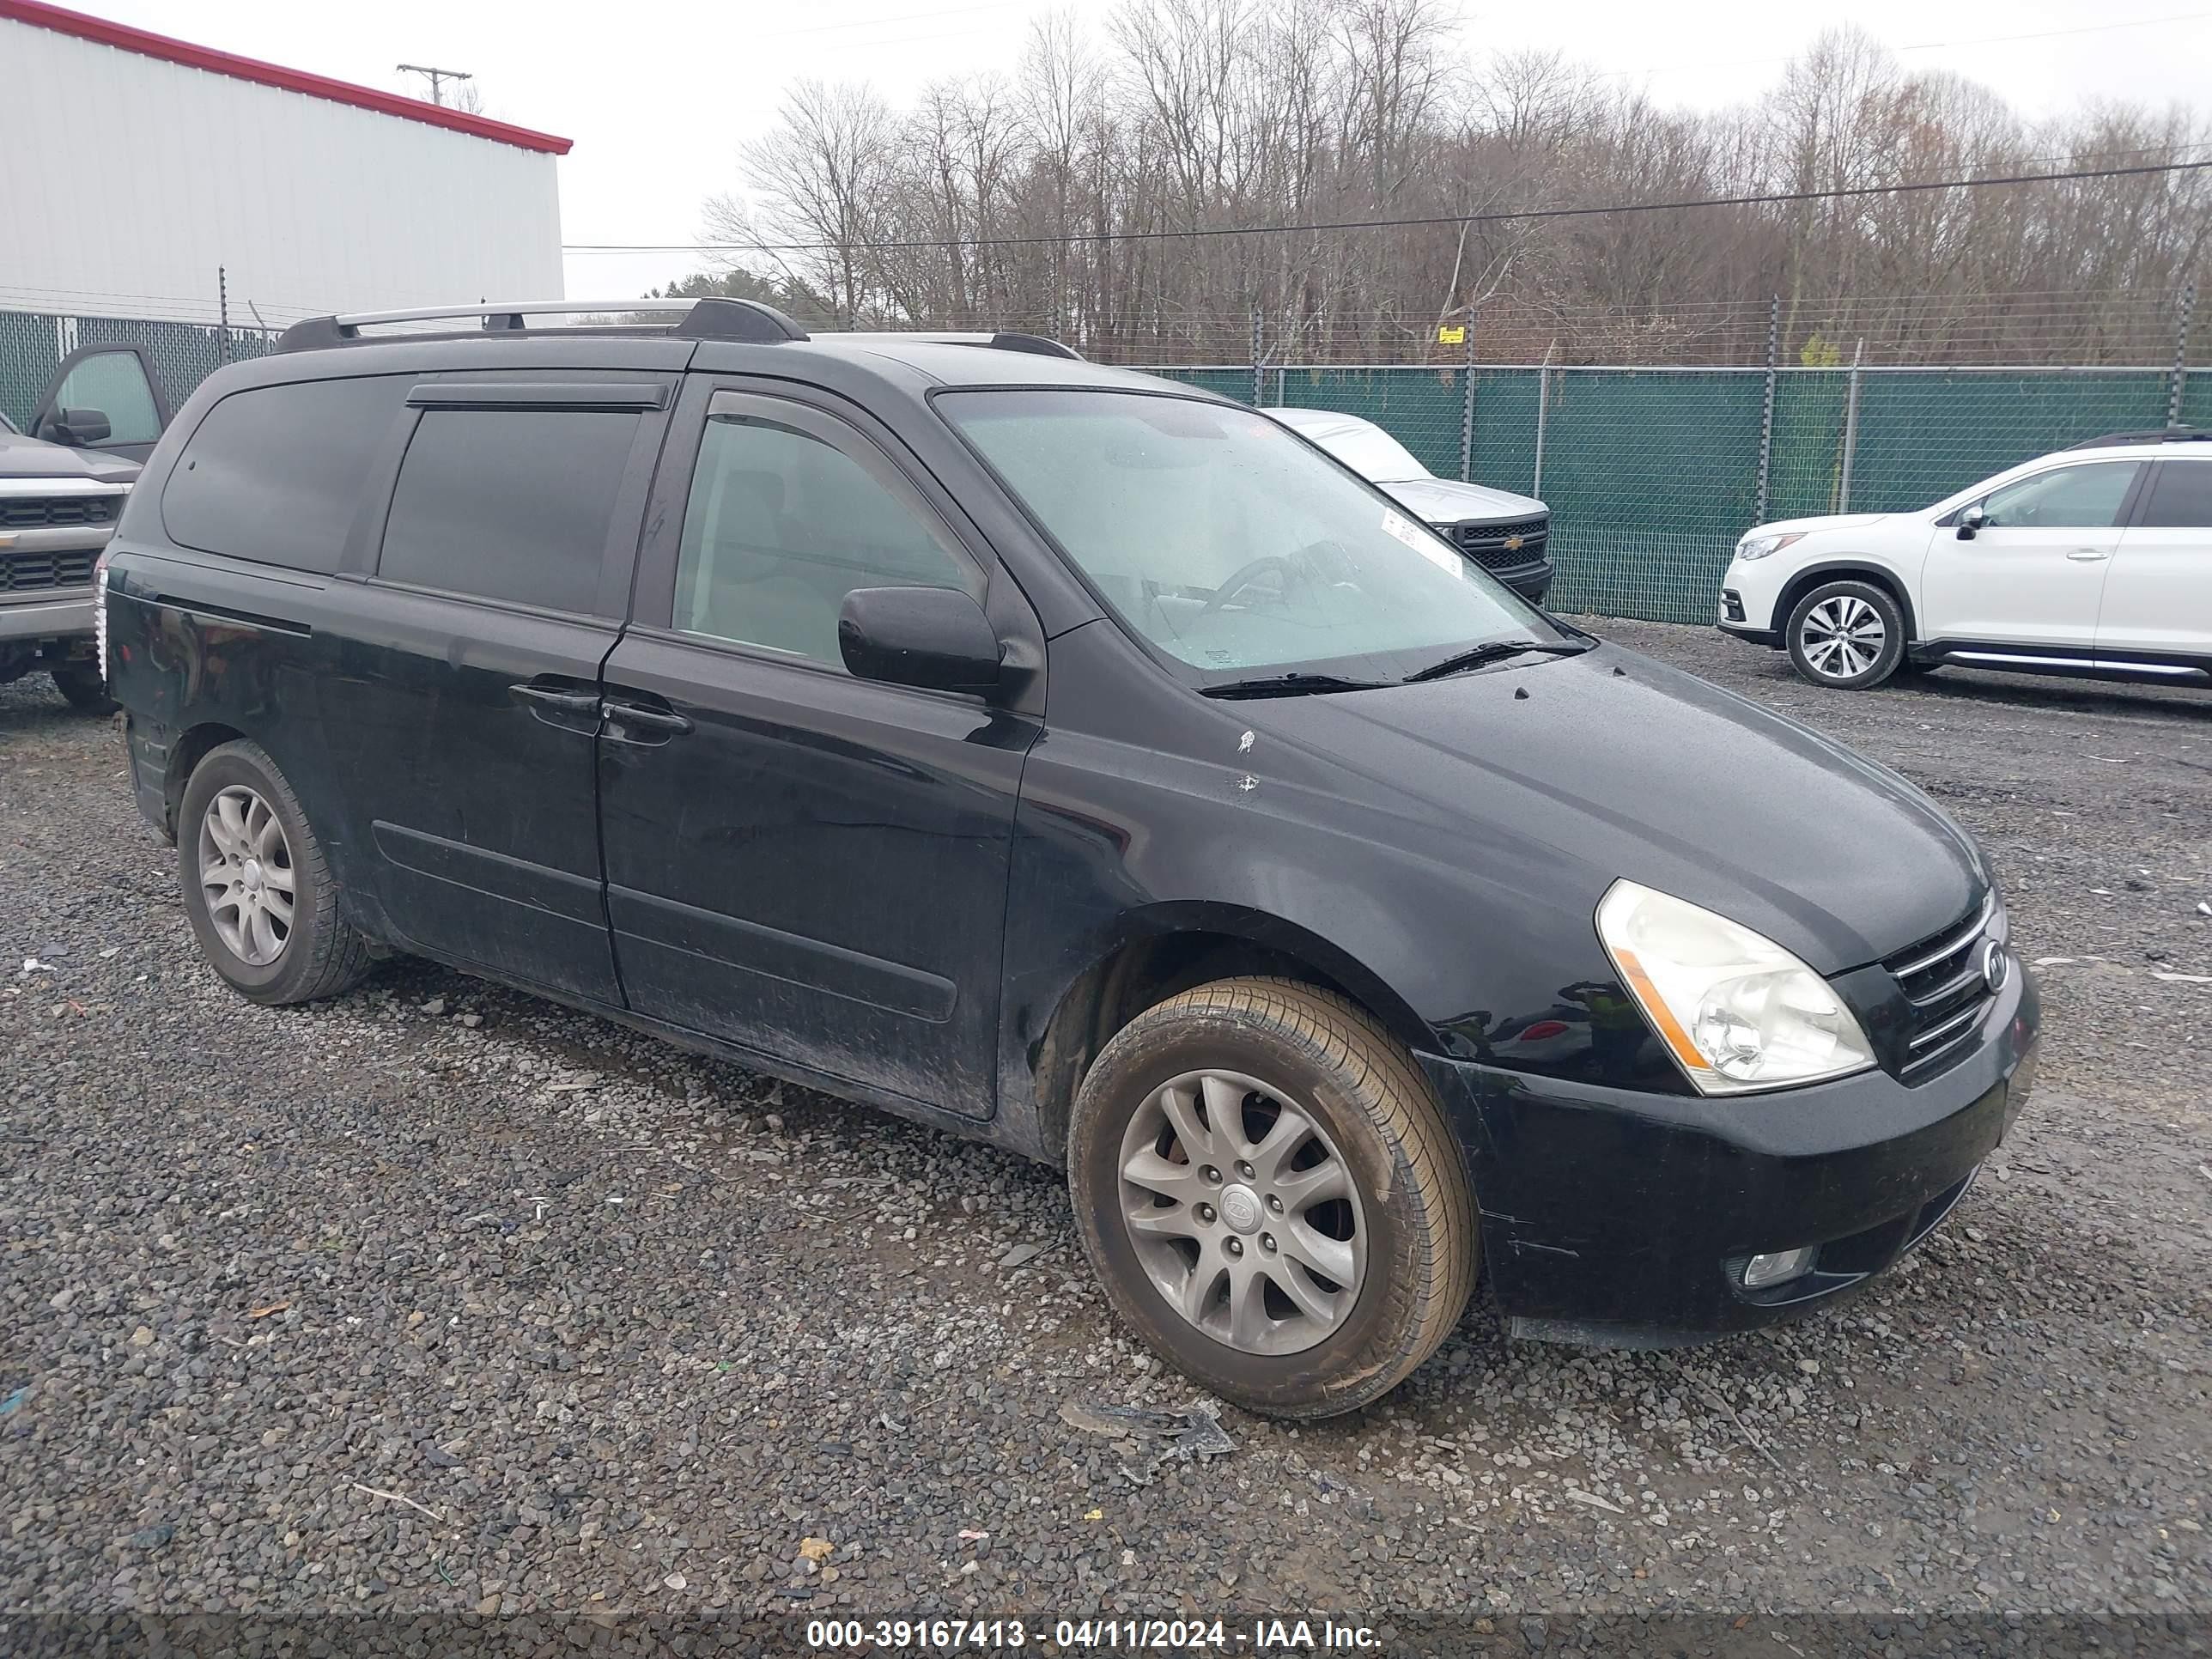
pixel 2180 496
pixel 273 474
pixel 509 504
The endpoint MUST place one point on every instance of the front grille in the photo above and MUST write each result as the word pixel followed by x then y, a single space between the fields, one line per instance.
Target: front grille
pixel 1942 981
pixel 1486 542
pixel 22 572
pixel 32 513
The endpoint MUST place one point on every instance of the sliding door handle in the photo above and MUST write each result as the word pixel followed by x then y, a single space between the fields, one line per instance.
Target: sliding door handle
pixel 547 696
pixel 643 718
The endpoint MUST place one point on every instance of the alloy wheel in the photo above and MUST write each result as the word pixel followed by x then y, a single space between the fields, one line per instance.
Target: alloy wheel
pixel 1842 637
pixel 246 875
pixel 1242 1211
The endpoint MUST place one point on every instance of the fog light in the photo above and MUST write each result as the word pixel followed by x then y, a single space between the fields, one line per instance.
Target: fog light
pixel 1773 1269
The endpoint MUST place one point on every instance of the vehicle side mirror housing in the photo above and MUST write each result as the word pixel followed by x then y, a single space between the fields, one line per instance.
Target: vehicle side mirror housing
pixel 937 638
pixel 1971 520
pixel 77 428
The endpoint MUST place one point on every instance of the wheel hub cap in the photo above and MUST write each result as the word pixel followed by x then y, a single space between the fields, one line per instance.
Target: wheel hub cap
pixel 1242 1211
pixel 1240 1208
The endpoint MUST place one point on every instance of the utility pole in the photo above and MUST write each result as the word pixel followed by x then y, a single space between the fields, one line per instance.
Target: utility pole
pixel 438 79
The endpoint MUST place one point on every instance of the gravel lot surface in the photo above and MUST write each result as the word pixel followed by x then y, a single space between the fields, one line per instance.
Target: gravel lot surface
pixel 439 1297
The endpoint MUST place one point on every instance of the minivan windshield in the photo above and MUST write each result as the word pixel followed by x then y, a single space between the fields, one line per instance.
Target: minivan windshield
pixel 1232 547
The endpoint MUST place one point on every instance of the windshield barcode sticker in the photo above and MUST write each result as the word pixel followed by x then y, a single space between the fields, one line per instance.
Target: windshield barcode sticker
pixel 1421 542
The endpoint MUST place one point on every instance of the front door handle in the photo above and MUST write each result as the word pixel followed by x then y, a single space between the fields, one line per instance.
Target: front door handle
pixel 2088 555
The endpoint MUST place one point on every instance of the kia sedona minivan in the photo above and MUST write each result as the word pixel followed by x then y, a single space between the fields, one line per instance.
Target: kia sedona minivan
pixel 1077 762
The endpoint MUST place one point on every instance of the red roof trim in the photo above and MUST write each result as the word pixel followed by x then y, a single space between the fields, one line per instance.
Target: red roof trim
pixel 39 15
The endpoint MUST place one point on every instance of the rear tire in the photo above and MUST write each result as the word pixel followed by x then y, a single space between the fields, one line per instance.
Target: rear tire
pixel 1300 1233
pixel 1846 635
pixel 261 895
pixel 80 685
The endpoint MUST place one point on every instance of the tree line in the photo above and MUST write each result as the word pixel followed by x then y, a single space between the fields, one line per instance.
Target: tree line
pixel 1094 193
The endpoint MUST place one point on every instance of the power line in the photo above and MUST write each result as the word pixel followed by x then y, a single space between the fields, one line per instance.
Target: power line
pixel 1453 219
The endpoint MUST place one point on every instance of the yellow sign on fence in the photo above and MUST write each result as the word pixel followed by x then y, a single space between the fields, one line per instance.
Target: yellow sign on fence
pixel 1451 334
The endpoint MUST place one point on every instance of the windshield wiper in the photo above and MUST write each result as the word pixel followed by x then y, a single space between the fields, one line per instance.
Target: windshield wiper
pixel 1290 686
pixel 1497 651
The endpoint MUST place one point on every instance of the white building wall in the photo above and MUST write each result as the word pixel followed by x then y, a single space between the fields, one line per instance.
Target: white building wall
pixel 126 181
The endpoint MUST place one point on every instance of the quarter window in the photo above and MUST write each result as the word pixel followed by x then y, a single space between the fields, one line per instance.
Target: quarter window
pixel 274 473
pixel 780 525
pixel 509 504
pixel 2086 497
pixel 2180 497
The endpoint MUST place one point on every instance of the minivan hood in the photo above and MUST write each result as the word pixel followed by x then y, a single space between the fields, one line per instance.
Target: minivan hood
pixel 1447 501
pixel 1624 767
pixel 33 458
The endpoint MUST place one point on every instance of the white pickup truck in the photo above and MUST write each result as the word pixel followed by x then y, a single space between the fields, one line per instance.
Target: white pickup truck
pixel 62 489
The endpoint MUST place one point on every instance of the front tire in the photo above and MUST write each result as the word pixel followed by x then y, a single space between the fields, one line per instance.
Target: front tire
pixel 1267 1189
pixel 1846 635
pixel 261 895
pixel 81 686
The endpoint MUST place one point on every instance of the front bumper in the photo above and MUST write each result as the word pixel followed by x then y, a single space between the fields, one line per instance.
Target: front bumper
pixel 1623 1219
pixel 1531 581
pixel 61 618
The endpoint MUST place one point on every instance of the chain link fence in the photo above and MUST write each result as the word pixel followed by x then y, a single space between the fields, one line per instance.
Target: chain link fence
pixel 1651 473
pixel 32 345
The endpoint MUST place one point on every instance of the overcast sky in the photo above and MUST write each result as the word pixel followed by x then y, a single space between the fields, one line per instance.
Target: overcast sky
pixel 659 98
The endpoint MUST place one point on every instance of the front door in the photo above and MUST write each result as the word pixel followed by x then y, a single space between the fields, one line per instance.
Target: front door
pixel 808 865
pixel 105 398
pixel 2158 599
pixel 460 687
pixel 2033 573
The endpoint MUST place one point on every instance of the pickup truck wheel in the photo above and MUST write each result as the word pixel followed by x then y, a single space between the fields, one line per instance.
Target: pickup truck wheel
pixel 1267 1189
pixel 81 684
pixel 260 897
pixel 1846 634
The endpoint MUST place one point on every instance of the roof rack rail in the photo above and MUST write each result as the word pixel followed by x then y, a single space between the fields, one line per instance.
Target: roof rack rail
pixel 2162 434
pixel 1036 345
pixel 714 317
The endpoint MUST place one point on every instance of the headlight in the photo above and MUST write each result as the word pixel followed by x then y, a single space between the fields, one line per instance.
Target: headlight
pixel 1737 1012
pixel 1757 547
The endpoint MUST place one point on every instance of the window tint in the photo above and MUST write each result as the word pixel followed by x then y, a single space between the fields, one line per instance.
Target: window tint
pixel 114 383
pixel 2086 497
pixel 2181 497
pixel 781 526
pixel 511 504
pixel 275 474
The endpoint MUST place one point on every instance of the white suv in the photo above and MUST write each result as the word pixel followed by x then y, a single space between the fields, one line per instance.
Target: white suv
pixel 2096 561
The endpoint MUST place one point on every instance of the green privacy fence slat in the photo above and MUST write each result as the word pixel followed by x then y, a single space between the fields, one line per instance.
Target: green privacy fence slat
pixel 1651 474
pixel 1923 435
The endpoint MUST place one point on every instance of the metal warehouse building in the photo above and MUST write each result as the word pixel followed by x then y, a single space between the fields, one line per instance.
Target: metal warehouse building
pixel 135 168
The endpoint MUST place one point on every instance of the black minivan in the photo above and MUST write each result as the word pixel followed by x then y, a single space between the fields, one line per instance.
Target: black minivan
pixel 1077 760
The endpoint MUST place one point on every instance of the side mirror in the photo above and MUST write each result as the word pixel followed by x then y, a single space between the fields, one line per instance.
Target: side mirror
pixel 77 428
pixel 937 638
pixel 1971 520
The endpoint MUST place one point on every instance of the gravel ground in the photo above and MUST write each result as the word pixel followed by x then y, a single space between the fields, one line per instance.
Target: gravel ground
pixel 441 1298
